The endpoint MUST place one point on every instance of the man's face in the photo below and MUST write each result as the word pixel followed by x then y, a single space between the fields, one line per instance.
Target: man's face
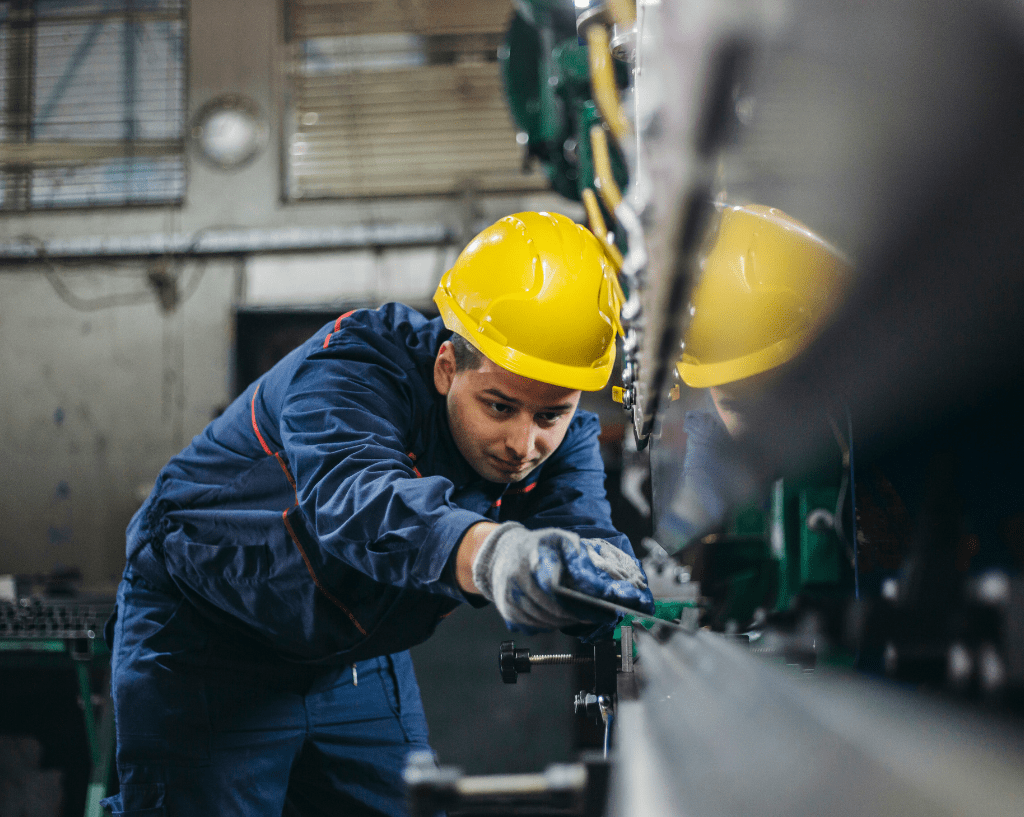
pixel 504 424
pixel 732 408
pixel 736 402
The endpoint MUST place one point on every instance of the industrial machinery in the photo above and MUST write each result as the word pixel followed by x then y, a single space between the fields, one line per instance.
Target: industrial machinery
pixel 850 638
pixel 59 635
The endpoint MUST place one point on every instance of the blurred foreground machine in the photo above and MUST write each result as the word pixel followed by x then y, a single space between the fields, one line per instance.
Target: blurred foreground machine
pixel 852 640
pixel 891 441
pixel 864 605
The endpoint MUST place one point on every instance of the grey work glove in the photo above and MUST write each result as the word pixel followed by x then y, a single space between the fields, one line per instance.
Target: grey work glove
pixel 517 568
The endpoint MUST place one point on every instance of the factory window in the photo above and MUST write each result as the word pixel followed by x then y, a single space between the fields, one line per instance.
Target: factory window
pixel 391 98
pixel 92 103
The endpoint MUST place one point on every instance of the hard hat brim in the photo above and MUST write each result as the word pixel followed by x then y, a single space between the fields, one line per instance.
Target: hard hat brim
pixel 702 375
pixel 582 378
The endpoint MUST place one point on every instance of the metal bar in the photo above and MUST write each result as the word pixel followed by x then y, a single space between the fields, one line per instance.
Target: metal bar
pixel 559 658
pixel 718 732
pixel 562 788
pixel 626 648
pixel 64 153
pixel 601 604
pixel 232 242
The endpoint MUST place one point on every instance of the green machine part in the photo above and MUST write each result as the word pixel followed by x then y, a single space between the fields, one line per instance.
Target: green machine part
pixel 664 610
pixel 770 555
pixel 89 658
pixel 546 77
pixel 810 555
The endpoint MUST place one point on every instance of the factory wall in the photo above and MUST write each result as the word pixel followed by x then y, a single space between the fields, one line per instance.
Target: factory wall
pixel 102 384
pixel 103 381
pixel 95 400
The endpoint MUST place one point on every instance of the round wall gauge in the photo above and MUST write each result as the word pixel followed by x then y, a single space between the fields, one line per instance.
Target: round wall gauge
pixel 229 131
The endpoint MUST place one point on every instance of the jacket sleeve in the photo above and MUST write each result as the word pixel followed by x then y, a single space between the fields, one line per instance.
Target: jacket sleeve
pixel 570 492
pixel 345 422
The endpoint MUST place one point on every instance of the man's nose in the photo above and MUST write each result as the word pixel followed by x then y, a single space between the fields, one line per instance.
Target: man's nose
pixel 521 439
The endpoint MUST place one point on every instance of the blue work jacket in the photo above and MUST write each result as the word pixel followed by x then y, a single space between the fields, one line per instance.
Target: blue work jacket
pixel 320 512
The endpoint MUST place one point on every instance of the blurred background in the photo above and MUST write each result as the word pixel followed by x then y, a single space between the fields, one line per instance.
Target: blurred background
pixel 187 191
pixel 190 189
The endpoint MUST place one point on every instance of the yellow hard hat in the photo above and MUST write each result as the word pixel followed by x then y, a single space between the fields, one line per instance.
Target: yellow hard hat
pixel 768 284
pixel 533 292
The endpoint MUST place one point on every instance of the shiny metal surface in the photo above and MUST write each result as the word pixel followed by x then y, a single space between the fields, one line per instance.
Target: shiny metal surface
pixel 889 128
pixel 713 730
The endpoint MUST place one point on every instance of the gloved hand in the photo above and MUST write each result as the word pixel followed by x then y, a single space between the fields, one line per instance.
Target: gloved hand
pixel 517 568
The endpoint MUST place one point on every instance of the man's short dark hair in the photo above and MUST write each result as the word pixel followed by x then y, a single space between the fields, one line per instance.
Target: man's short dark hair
pixel 467 356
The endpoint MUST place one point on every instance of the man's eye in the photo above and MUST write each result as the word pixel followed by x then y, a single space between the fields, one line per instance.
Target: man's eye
pixel 549 418
pixel 501 408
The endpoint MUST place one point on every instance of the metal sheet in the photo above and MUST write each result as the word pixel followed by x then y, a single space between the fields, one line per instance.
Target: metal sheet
pixel 716 731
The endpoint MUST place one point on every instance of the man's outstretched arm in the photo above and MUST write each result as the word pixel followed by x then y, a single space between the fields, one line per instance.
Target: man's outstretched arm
pixel 470 545
pixel 518 568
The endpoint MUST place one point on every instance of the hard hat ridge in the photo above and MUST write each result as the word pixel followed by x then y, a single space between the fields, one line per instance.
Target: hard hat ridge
pixel 529 293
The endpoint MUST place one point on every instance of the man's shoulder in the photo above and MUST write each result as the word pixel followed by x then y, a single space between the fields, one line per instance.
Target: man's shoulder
pixel 393 343
pixel 394 324
pixel 393 335
pixel 392 315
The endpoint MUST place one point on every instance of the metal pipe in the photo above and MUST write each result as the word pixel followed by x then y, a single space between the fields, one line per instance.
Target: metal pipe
pixel 229 242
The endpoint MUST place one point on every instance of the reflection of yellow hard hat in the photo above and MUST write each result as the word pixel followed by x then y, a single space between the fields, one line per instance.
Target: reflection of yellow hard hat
pixel 767 286
pixel 533 292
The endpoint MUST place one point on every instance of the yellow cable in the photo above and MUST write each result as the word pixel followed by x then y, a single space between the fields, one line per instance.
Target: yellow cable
pixel 605 181
pixel 623 12
pixel 598 228
pixel 602 81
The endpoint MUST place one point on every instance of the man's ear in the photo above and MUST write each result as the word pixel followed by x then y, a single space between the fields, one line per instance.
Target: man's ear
pixel 444 368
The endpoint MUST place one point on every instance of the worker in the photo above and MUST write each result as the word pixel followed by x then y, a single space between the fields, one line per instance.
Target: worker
pixel 384 472
pixel 767 286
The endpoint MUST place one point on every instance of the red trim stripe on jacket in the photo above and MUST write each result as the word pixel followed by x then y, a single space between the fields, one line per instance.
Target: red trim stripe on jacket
pixel 284 515
pixel 337 326
pixel 514 492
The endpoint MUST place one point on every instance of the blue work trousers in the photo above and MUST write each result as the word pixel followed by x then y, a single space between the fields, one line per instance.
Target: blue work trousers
pixel 210 726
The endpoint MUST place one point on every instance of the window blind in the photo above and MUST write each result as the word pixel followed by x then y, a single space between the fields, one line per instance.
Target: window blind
pixel 391 98
pixel 93 103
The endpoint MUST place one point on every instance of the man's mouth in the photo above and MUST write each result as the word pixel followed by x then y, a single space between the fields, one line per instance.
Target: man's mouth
pixel 512 467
